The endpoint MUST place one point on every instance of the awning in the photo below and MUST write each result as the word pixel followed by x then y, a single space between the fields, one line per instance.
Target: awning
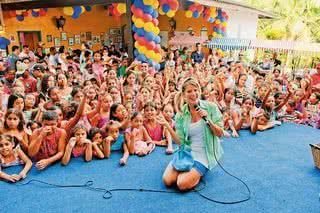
pixel 274 45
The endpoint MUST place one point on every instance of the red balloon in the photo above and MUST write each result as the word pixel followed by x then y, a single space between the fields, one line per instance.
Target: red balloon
pixel 133 9
pixel 223 14
pixel 146 17
pixel 155 22
pixel 25 14
pixel 163 2
pixel 42 12
pixel 150 45
pixel 200 8
pixel 12 13
pixel 192 7
pixel 139 13
pixel 174 4
pixel 135 36
pixel 224 29
pixel 116 12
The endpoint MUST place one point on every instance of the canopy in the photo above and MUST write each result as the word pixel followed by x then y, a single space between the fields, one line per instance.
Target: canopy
pixel 275 45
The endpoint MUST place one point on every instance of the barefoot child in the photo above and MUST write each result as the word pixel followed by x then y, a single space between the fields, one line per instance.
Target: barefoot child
pixel 10 156
pixel 137 137
pixel 115 141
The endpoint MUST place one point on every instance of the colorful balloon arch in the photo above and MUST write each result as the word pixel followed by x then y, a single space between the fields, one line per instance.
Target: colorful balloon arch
pixel 76 11
pixel 146 32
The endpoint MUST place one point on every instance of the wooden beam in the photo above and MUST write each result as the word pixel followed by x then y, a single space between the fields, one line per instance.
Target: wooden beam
pixel 55 3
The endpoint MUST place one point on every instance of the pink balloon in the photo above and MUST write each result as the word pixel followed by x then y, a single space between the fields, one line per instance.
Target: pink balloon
pixel 155 22
pixel 163 2
pixel 157 48
pixel 174 5
pixel 135 36
pixel 224 14
pixel 133 9
pixel 146 17
pixel 139 13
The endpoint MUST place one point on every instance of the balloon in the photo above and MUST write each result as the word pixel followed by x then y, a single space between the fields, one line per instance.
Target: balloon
pixel 157 39
pixel 77 10
pixel 148 26
pixel 143 50
pixel 141 57
pixel 155 22
pixel 150 45
pixel 88 8
pixel 224 24
pixel 122 8
pixel 138 4
pixel 195 14
pixel 116 12
pixel 165 8
pixel 192 7
pixel 147 9
pixel 148 2
pixel 174 4
pixel 83 9
pixel 37 10
pixel 20 17
pixel 171 13
pixel 140 32
pixel 68 11
pixel 42 12
pixel 35 14
pixel 155 4
pixel 161 11
pixel 188 13
pixel 157 67
pixel 12 13
pixel 154 14
pixel 156 31
pixel 19 12
pixel 136 45
pixel 139 23
pixel 134 28
pixel 147 17
pixel 138 13
pixel 135 53
pixel 149 36
pixel 25 14
pixel 75 15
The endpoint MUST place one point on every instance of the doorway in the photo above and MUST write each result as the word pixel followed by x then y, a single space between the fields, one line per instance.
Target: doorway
pixel 30 38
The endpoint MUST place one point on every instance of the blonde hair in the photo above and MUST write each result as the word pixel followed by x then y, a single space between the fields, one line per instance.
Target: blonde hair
pixel 190 81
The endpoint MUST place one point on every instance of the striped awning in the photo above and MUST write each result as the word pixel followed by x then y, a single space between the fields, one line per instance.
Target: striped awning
pixel 275 45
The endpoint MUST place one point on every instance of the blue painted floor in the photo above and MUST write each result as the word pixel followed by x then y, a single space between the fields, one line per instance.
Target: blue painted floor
pixel 276 164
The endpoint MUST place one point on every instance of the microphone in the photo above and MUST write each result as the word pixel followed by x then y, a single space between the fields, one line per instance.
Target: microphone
pixel 197 107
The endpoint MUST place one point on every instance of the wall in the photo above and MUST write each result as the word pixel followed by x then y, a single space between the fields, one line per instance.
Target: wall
pixel 97 21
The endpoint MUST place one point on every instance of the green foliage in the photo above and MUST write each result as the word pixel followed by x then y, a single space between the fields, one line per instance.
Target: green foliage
pixel 296 20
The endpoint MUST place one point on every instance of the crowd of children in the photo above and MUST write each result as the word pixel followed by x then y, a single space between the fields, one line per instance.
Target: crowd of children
pixel 89 104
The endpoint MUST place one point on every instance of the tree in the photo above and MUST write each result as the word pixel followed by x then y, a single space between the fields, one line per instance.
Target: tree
pixel 296 20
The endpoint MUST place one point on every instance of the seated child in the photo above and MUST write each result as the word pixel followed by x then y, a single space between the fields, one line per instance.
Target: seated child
pixel 137 137
pixel 10 156
pixel 114 141
pixel 78 145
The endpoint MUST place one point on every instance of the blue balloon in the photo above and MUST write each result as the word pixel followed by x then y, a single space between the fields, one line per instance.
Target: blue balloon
pixel 195 14
pixel 140 32
pixel 4 42
pixel 147 9
pixel 222 19
pixel 77 9
pixel 134 28
pixel 142 57
pixel 157 39
pixel 75 15
pixel 135 53
pixel 88 8
pixel 20 17
pixel 149 36
pixel 219 12
pixel 157 67
pixel 138 4
pixel 165 8
pixel 35 13
pixel 155 14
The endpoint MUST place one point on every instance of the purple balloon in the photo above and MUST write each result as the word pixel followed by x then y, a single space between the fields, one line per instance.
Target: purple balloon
pixel 20 17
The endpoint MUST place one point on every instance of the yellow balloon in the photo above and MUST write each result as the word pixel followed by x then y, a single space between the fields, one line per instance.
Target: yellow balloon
pixel 158 57
pixel 134 18
pixel 143 50
pixel 83 9
pixel 148 2
pixel 136 45
pixel 224 24
pixel 156 30
pixel 161 11
pixel 139 23
pixel 155 4
pixel 122 8
pixel 171 13
pixel 188 13
pixel 68 11
pixel 218 21
pixel 148 26
pixel 213 13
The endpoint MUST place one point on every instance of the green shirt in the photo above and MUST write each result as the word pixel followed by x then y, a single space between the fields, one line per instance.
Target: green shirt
pixel 212 142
